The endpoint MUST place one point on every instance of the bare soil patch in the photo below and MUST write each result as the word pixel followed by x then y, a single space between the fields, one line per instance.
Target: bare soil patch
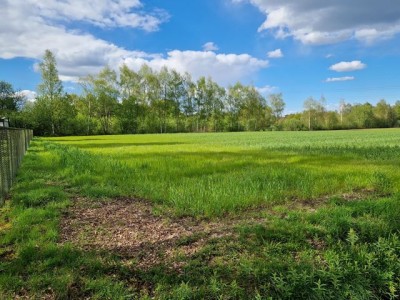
pixel 129 228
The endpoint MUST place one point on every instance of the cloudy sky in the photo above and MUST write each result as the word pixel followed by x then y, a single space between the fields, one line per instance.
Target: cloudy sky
pixel 338 49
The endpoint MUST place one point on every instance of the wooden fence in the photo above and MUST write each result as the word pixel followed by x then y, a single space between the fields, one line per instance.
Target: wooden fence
pixel 13 145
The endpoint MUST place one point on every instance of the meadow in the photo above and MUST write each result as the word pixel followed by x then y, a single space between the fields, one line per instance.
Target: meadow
pixel 213 174
pixel 256 215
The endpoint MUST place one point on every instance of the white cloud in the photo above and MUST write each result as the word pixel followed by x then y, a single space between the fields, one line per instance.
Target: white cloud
pixel 267 89
pixel 223 68
pixel 348 66
pixel 30 27
pixel 28 94
pixel 210 46
pixel 275 53
pixel 105 13
pixel 330 21
pixel 336 79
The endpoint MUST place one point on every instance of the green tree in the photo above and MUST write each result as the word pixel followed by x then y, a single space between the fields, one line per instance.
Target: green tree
pixel 214 105
pixel 321 115
pixel 277 105
pixel 331 120
pixel 11 102
pixel 129 82
pixel 396 108
pixel 252 112
pixel 65 113
pixel 188 102
pixel 41 117
pixel 208 104
pixel 361 116
pixel 164 107
pixel 149 95
pixel 178 94
pixel 101 92
pixel 199 103
pixel 130 92
pixel 310 107
pixel 385 114
pixel 86 105
pixel 314 112
pixel 293 122
pixel 49 90
pixel 234 102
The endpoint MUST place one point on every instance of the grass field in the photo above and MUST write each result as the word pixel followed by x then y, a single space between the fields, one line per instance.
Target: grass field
pixel 280 215
pixel 211 174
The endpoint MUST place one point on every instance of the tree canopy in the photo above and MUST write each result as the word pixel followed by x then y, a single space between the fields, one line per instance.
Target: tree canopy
pixel 11 102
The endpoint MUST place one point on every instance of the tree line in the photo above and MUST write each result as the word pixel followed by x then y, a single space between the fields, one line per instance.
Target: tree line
pixel 166 101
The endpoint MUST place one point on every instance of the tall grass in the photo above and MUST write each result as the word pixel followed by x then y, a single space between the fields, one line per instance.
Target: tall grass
pixel 214 174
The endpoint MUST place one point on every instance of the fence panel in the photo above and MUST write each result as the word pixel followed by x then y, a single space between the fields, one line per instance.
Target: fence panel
pixel 13 144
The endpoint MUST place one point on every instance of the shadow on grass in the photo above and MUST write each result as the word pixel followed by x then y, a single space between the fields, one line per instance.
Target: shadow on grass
pixel 338 157
pixel 118 145
pixel 75 139
pixel 64 272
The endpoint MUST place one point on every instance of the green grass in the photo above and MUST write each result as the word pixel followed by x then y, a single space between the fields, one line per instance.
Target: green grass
pixel 326 205
pixel 214 174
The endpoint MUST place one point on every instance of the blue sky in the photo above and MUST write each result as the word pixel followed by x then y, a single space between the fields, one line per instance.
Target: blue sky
pixel 299 48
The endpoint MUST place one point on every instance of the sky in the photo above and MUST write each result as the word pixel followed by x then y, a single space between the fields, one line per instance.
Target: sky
pixel 336 49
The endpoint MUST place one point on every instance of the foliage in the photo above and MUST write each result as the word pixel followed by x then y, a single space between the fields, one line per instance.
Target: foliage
pixel 11 102
pixel 277 105
pixel 52 111
pixel 101 93
pixel 51 86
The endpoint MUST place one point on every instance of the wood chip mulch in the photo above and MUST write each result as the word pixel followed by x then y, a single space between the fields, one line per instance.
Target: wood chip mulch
pixel 129 228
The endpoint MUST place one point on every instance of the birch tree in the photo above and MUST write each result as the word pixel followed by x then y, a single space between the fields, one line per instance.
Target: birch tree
pixel 50 90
